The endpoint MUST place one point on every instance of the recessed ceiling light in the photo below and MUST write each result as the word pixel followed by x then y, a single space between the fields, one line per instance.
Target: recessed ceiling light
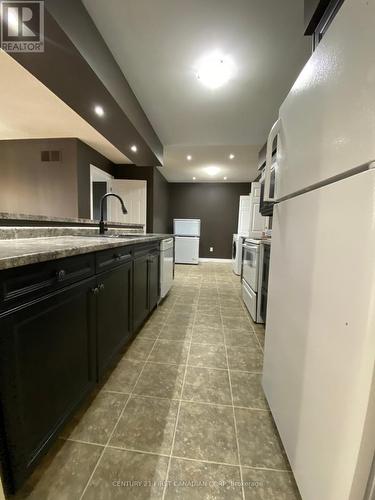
pixel 215 70
pixel 189 157
pixel 134 148
pixel 212 170
pixel 231 156
pixel 225 178
pixel 99 110
pixel 194 178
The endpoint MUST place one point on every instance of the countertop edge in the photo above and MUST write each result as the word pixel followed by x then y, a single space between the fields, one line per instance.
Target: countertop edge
pixel 36 257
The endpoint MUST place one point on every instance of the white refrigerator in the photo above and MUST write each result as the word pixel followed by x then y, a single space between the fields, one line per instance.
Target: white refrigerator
pixel 320 330
pixel 187 235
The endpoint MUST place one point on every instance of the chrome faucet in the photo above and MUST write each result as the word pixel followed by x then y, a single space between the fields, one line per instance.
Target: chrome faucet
pixel 103 225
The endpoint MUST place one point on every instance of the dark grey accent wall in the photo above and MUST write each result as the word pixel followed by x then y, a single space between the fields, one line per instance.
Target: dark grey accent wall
pixel 160 202
pixel 216 204
pixel 78 25
pixel 157 194
pixel 87 156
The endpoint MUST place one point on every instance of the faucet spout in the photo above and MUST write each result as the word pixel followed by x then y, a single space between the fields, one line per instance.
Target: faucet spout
pixel 103 225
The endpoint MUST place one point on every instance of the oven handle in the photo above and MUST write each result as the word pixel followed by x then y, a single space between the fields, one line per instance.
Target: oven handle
pixel 275 130
pixel 251 247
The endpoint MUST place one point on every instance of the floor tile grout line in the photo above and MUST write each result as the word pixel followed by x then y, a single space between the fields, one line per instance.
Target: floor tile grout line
pixel 178 412
pixel 197 366
pixel 116 424
pixel 234 413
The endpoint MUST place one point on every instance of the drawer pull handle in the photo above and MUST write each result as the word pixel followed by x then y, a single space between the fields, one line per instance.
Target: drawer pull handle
pixel 61 275
pixel 101 287
pixel 117 256
pixel 95 290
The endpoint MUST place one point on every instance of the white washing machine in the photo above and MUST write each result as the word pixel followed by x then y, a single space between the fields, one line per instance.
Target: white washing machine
pixel 237 253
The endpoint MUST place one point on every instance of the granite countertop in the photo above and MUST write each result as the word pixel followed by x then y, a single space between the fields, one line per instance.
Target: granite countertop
pixel 5 216
pixel 21 252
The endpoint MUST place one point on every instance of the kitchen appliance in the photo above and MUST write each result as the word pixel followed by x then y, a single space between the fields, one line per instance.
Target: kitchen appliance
pixel 257 220
pixel 266 207
pixel 320 332
pixel 251 267
pixel 187 235
pixel 237 253
pixel 166 266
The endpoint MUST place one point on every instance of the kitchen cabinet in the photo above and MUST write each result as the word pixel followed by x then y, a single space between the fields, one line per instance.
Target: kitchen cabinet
pixel 47 367
pixel 146 290
pixel 154 279
pixel 318 16
pixel 140 291
pixel 113 313
pixel 62 324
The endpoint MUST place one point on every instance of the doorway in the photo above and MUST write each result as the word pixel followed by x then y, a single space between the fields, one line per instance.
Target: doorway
pixel 100 184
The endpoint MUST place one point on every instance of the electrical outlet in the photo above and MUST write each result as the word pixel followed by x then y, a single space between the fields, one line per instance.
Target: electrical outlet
pixel 211 249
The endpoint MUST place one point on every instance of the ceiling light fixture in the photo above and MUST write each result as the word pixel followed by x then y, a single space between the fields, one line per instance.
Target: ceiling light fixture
pixel 231 156
pixel 99 110
pixel 134 148
pixel 194 178
pixel 189 157
pixel 225 178
pixel 215 70
pixel 212 170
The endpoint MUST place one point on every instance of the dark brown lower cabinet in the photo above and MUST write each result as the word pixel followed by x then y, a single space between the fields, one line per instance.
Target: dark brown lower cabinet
pixel 154 279
pixel 113 314
pixel 146 291
pixel 47 367
pixel 60 330
pixel 140 291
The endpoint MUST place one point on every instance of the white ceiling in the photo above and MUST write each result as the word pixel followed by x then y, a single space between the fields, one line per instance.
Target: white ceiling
pixel 157 44
pixel 29 110
pixel 243 167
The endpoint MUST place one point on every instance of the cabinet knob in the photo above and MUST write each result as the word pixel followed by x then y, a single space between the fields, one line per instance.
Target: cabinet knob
pixel 117 256
pixel 101 287
pixel 61 274
pixel 95 290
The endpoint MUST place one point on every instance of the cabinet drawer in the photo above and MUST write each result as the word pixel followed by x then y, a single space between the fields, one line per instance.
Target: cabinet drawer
pixel 22 284
pixel 151 249
pixel 113 257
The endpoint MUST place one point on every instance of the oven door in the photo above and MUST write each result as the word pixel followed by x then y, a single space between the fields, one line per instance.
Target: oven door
pixel 250 264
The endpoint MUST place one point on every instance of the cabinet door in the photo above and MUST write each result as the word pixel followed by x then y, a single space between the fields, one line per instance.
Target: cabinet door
pixel 47 366
pixel 113 314
pixel 154 279
pixel 140 291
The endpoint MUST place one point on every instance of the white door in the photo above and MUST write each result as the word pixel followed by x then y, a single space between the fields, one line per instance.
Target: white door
pixel 257 220
pixel 244 215
pixel 320 336
pixel 134 194
pixel 327 120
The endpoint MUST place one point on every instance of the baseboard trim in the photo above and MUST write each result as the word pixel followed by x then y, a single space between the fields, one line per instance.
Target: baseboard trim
pixel 215 260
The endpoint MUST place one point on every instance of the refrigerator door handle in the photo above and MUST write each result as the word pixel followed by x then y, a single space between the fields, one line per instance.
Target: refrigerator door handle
pixel 275 130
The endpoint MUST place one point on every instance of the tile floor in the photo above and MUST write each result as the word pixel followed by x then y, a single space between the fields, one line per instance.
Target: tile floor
pixel 183 415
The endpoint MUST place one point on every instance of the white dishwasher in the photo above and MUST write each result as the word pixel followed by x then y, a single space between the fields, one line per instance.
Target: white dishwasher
pixel 166 266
